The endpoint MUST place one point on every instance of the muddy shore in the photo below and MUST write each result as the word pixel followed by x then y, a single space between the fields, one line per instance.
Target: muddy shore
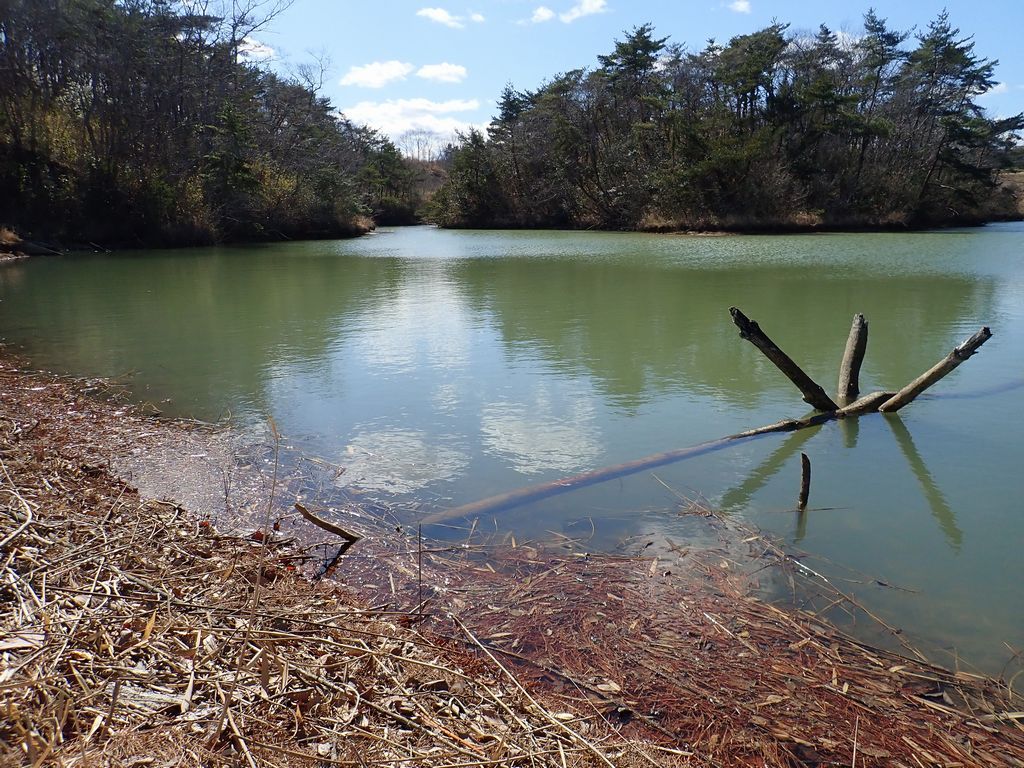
pixel 138 631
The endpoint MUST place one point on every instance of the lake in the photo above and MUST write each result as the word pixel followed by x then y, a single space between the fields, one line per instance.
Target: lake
pixel 441 367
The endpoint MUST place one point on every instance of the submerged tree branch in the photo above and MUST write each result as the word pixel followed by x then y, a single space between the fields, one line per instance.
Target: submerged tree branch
pixel 938 371
pixel 813 393
pixel 876 401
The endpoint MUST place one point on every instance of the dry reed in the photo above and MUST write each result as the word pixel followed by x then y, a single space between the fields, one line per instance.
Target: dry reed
pixel 135 633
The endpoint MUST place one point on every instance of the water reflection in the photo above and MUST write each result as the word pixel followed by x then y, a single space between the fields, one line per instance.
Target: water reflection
pixel 398 461
pixel 221 324
pixel 419 324
pixel 454 366
pixel 737 498
pixel 851 431
pixel 640 329
pixel 940 508
pixel 537 437
pixel 209 328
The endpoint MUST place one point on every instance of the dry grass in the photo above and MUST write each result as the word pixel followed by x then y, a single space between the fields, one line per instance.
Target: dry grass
pixel 133 633
pixel 677 650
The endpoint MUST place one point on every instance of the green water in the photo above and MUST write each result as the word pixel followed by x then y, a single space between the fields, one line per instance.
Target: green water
pixel 443 367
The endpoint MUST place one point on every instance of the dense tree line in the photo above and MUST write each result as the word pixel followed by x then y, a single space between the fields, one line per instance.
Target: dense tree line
pixel 772 130
pixel 143 121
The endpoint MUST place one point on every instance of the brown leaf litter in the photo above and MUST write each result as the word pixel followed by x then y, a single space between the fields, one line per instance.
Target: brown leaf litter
pixel 134 633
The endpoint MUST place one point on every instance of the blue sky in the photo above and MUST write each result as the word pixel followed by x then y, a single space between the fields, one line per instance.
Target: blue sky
pixel 440 65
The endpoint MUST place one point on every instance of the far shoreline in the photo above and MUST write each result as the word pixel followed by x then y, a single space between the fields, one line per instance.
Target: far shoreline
pixel 24 249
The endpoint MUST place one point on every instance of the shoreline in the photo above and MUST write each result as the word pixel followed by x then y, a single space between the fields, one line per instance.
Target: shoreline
pixel 766 229
pixel 13 247
pixel 131 628
pixel 141 628
pixel 19 250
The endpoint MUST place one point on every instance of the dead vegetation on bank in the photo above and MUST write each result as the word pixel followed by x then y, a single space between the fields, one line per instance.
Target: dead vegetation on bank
pixel 133 633
pixel 1014 184
pixel 677 649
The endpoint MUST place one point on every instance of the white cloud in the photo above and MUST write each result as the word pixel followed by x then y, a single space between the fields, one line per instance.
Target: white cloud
pixel 740 6
pixel 251 48
pixel 477 18
pixel 442 73
pixel 846 41
pixel 378 74
pixel 995 90
pixel 542 14
pixel 441 16
pixel 585 8
pixel 396 116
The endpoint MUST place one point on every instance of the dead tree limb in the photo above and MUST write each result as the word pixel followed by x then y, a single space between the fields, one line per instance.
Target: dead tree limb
pixel 348 539
pixel 520 496
pixel 749 330
pixel 326 525
pixel 813 393
pixel 959 354
pixel 866 404
pixel 805 482
pixel 853 357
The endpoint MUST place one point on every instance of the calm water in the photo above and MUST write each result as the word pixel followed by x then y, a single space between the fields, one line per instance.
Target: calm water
pixel 443 367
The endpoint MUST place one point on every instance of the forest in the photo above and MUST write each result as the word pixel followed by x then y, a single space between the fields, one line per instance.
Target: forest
pixel 147 122
pixel 144 122
pixel 774 130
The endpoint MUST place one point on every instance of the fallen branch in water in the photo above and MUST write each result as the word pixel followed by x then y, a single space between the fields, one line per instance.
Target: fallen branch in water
pixel 876 401
pixel 938 371
pixel 853 357
pixel 521 496
pixel 327 525
pixel 328 565
pixel 813 393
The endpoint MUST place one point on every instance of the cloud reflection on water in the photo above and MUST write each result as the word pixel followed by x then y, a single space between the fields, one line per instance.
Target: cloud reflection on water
pixel 540 436
pixel 399 461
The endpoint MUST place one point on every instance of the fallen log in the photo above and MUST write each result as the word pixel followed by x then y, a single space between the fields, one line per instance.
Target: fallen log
pixel 520 496
pixel 813 393
pixel 828 411
pixel 530 493
pixel 951 361
pixel 853 357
